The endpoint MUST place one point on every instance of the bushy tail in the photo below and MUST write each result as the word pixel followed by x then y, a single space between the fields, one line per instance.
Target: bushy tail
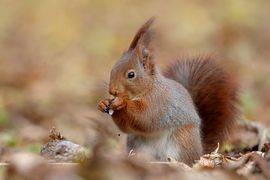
pixel 215 94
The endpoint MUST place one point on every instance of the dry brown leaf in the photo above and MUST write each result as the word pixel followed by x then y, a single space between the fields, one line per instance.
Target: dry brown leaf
pixel 246 169
pixel 243 165
pixel 179 165
pixel 262 132
pixel 54 134
pixel 267 151
pixel 235 163
pixel 262 164
pixel 208 161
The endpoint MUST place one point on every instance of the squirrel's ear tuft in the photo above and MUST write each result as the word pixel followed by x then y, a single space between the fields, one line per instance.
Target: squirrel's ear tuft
pixel 144 36
pixel 141 45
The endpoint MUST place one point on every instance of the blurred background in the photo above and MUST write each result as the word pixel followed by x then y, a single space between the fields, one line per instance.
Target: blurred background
pixel 56 57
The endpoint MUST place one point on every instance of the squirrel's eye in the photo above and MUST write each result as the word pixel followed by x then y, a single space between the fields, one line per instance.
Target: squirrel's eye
pixel 131 75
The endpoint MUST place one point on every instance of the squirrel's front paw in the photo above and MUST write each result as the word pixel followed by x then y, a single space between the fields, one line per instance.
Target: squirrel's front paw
pixel 118 103
pixel 104 106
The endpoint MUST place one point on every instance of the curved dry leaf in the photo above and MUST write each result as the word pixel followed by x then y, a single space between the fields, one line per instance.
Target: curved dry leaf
pixel 246 169
pixel 262 132
pixel 179 165
pixel 54 134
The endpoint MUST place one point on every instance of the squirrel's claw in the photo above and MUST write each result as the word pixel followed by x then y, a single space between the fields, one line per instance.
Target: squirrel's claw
pixel 104 106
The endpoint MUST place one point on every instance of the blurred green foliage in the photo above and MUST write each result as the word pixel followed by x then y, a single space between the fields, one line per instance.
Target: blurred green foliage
pixel 249 104
pixel 33 147
pixel 9 139
pixel 3 114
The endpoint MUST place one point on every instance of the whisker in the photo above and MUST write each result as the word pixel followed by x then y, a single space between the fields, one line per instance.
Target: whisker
pixel 99 97
pixel 103 81
pixel 98 86
pixel 100 90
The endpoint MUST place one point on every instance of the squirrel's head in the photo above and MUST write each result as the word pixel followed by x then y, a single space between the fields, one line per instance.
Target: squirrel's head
pixel 133 75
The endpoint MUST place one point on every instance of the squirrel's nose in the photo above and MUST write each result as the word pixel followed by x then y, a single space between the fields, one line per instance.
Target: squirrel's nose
pixel 113 91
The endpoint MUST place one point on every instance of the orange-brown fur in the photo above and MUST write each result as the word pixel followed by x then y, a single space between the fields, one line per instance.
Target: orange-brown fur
pixel 181 113
pixel 190 147
pixel 214 92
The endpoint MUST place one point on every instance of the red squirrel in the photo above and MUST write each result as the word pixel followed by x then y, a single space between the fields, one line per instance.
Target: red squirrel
pixel 182 112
